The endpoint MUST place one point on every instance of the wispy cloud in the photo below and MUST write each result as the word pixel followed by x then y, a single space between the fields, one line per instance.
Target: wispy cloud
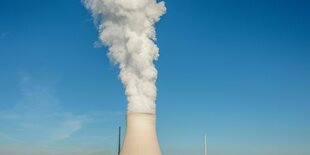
pixel 38 113
pixel 69 125
pixel 8 115
pixel 4 136
pixel 66 128
pixel 37 124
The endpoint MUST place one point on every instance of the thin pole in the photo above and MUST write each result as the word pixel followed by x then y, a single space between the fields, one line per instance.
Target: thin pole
pixel 119 140
pixel 205 144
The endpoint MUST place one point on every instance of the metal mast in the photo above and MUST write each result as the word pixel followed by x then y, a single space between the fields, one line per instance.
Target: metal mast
pixel 119 140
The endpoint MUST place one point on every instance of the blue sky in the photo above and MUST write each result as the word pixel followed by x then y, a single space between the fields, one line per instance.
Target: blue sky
pixel 236 70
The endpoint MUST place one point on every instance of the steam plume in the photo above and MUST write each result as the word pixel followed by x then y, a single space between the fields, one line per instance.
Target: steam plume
pixel 127 28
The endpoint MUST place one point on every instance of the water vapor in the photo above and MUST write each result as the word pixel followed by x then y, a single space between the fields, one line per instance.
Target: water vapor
pixel 126 27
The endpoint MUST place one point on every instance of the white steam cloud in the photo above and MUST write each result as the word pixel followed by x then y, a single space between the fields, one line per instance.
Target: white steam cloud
pixel 127 28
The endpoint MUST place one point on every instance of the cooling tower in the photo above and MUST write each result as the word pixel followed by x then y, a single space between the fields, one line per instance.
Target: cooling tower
pixel 140 138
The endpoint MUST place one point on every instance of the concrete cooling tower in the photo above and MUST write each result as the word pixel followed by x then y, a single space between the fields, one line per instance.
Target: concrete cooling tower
pixel 140 138
pixel 127 28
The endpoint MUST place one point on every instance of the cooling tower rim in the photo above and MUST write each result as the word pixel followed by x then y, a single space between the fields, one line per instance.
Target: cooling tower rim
pixel 141 113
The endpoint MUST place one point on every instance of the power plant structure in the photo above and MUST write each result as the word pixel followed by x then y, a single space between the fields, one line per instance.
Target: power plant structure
pixel 127 28
pixel 140 137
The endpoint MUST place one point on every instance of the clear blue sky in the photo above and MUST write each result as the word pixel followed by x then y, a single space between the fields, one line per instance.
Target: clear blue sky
pixel 236 70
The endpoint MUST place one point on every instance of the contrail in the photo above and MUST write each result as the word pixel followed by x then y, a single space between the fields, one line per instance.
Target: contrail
pixel 126 27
